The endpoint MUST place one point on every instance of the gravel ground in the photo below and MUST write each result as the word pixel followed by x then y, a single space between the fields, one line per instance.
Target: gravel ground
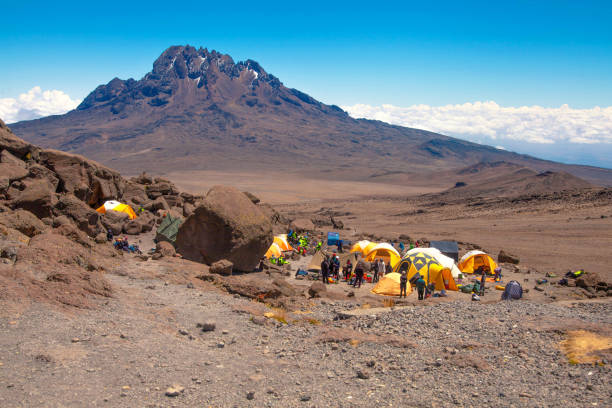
pixel 133 347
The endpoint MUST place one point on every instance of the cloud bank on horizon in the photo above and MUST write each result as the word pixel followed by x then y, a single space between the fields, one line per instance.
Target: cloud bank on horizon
pixel 34 104
pixel 564 134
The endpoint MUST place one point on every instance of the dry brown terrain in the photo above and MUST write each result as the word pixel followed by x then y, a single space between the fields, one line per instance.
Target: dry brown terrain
pixel 551 233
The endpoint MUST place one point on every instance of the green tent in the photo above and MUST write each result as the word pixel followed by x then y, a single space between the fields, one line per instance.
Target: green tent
pixel 168 229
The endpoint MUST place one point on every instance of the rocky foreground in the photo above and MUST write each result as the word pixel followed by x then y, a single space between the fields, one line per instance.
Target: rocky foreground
pixel 167 338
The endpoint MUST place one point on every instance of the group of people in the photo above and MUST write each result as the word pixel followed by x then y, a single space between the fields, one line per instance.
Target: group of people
pixel 330 267
pixel 123 244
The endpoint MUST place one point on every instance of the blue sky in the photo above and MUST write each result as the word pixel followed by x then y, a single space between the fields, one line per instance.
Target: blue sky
pixel 518 53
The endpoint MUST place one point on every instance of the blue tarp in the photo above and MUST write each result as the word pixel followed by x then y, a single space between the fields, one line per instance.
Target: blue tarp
pixel 332 238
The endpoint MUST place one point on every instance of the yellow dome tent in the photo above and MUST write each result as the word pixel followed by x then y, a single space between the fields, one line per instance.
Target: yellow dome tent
pixel 117 206
pixel 384 251
pixel 273 251
pixel 283 244
pixel 471 261
pixel 389 285
pixel 360 246
pixel 442 259
pixel 429 268
pixel 366 250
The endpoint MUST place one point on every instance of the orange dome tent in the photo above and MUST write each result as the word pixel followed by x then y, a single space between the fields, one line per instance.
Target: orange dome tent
pixel 283 244
pixel 471 261
pixel 117 206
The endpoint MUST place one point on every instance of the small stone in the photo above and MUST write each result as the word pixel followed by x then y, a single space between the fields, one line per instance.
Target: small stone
pixel 225 332
pixel 75 340
pixel 362 375
pixel 525 395
pixel 220 344
pixel 190 285
pixel 371 363
pixel 122 336
pixel 174 391
pixel 305 398
pixel 207 326
pixel 125 387
pixel 250 395
pixel 183 332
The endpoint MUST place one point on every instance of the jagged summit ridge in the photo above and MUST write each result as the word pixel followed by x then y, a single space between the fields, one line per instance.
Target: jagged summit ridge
pixel 206 75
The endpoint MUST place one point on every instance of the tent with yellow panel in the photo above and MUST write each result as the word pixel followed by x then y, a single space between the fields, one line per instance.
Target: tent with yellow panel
pixel 117 206
pixel 384 251
pixel 360 246
pixel 471 261
pixel 389 285
pixel 283 244
pixel 366 250
pixel 429 268
pixel 273 251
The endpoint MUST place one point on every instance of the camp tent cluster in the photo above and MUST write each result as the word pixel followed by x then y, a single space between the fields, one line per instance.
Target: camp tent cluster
pixel 434 266
pixel 372 251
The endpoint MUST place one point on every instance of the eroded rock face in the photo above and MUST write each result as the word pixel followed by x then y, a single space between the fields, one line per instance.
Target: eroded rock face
pixel 23 221
pixel 225 225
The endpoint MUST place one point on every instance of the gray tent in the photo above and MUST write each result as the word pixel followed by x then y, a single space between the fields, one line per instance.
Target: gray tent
pixel 448 248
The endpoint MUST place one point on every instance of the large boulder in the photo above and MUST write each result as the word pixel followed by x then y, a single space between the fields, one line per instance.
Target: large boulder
pixel 23 221
pixel 225 225
pixel 86 218
pixel 160 188
pixel 7 157
pixel 114 221
pixel 165 248
pixel 89 181
pixel 13 171
pixel 135 193
pixel 38 171
pixel 316 289
pixel 507 258
pixel 158 204
pixel 35 195
pixel 222 267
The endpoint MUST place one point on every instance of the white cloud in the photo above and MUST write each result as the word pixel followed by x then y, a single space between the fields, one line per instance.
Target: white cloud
pixel 34 104
pixel 487 121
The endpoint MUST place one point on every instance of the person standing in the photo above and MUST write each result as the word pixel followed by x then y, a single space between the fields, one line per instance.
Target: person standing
pixel 325 269
pixel 359 270
pixel 483 279
pixel 376 270
pixel 403 283
pixel 421 284
pixel 381 267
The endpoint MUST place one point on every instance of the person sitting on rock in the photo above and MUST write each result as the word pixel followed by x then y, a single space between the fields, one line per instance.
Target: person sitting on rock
pixel 109 235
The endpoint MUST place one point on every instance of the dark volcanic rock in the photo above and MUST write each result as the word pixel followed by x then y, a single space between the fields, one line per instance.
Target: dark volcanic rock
pixel 226 225
pixel 508 258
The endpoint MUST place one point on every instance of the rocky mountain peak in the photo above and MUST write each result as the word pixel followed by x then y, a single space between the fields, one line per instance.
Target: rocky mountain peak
pixel 180 67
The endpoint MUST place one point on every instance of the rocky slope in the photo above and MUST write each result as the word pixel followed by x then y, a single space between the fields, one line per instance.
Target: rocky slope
pixel 198 109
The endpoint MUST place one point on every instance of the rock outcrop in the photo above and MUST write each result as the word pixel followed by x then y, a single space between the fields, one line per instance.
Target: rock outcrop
pixel 225 225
